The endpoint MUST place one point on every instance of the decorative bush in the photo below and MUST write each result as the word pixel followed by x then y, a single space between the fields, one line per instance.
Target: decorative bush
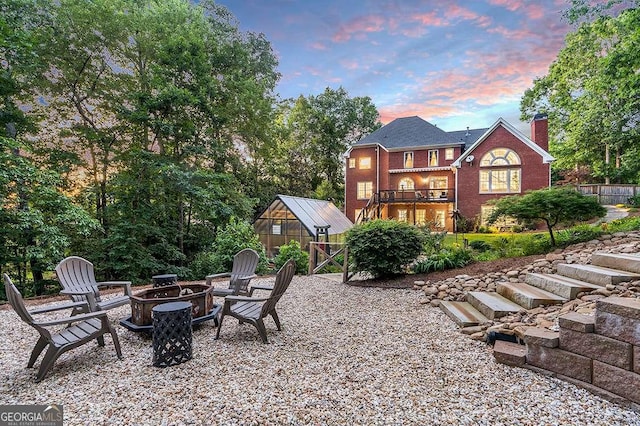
pixel 446 259
pixel 480 245
pixel 237 235
pixel 624 225
pixel 292 250
pixel 383 247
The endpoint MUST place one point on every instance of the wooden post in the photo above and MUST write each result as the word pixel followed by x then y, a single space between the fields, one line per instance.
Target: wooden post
pixel 345 264
pixel 312 253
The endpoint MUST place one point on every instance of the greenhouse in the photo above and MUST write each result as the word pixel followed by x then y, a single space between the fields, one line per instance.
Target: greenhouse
pixel 302 219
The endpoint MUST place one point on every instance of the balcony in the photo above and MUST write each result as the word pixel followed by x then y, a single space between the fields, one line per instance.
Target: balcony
pixel 426 195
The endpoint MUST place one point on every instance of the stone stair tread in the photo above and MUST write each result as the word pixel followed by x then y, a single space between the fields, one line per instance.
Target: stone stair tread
pixel 532 291
pixel 595 274
pixel 527 295
pixel 491 304
pixel 561 285
pixel 570 282
pixel 603 270
pixel 463 313
pixel 622 261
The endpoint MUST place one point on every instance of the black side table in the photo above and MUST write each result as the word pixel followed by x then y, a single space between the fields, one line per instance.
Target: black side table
pixel 164 280
pixel 172 336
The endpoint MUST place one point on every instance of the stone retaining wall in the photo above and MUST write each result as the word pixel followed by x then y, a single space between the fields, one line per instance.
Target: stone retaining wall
pixel 602 350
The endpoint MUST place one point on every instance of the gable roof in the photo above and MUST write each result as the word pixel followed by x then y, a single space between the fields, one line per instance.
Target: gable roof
pixel 408 132
pixel 546 157
pixel 310 212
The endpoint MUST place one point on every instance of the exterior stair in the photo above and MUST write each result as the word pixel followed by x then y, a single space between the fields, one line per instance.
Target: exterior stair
pixel 558 284
pixel 543 289
pixel 626 262
pixel 492 305
pixel 528 296
pixel 463 313
pixel 595 274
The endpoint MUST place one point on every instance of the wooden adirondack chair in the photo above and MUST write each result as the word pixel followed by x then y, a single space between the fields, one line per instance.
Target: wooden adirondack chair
pixel 78 281
pixel 254 309
pixel 244 267
pixel 81 329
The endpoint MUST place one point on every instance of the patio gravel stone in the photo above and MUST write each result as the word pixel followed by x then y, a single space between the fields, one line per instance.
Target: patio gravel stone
pixel 346 356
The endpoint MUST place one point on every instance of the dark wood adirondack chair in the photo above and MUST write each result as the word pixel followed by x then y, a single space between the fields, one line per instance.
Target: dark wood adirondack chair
pixel 243 270
pixel 80 329
pixel 254 309
pixel 78 281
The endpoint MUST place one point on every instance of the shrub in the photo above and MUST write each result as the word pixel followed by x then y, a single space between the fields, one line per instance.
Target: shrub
pixel 634 201
pixel 432 241
pixel 292 250
pixel 577 234
pixel 383 247
pixel 446 259
pixel 624 225
pixel 480 245
pixel 235 236
pixel 483 230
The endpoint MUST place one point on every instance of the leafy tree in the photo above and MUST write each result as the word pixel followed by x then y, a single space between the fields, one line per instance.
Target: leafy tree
pixel 552 206
pixel 37 221
pixel 235 236
pixel 592 96
pixel 312 134
pixel 145 105
pixel 383 247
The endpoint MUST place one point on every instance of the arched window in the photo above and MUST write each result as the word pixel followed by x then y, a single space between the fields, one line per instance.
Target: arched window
pixel 405 183
pixel 500 157
pixel 500 176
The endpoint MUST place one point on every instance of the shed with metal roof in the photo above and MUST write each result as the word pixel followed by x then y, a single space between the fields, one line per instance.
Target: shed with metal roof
pixel 302 219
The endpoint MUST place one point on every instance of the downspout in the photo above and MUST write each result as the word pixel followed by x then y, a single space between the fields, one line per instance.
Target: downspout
pixel 378 179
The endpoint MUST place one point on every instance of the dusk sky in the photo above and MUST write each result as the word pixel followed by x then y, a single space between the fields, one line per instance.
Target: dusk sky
pixel 453 63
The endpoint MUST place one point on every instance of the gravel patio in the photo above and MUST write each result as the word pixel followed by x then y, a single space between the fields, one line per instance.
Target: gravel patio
pixel 346 356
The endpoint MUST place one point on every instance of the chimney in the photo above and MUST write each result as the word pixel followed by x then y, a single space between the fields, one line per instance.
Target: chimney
pixel 540 131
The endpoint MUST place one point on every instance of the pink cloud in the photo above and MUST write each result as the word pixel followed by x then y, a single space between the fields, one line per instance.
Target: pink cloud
pixel 350 64
pixel 359 26
pixel 519 34
pixel 430 19
pixel 531 9
pixel 318 46
pixel 455 11
pixel 390 113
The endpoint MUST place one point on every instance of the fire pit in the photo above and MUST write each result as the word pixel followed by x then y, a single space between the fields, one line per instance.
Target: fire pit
pixel 199 295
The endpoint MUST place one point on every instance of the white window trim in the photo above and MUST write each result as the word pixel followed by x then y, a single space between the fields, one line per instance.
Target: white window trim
pixel 360 161
pixel 449 153
pixel 365 197
pixel 404 159
pixel 498 169
pixel 429 158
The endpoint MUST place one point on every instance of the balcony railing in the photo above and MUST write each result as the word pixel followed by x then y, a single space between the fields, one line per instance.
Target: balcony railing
pixel 427 195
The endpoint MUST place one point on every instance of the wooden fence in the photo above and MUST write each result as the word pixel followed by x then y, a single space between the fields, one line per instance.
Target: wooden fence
pixel 322 254
pixel 610 194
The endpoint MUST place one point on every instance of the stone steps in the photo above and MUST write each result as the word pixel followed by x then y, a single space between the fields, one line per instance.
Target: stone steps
pixel 619 261
pixel 527 295
pixel 492 305
pixel 463 313
pixel 563 286
pixel 595 274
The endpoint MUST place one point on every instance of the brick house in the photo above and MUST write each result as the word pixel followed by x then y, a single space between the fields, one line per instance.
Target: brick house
pixel 413 171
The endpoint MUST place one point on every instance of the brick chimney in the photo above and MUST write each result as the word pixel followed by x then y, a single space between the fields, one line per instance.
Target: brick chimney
pixel 540 131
